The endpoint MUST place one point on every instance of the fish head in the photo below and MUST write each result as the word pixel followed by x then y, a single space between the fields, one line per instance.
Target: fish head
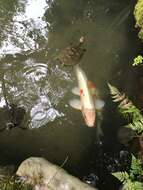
pixel 89 117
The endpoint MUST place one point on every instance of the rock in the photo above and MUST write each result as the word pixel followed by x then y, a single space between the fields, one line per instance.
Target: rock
pixel 72 54
pixel 91 179
pixel 43 175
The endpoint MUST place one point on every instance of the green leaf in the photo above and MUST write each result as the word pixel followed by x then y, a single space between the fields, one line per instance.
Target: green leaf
pixel 136 167
pixel 130 185
pixel 128 109
pixel 138 185
pixel 138 60
pixel 121 176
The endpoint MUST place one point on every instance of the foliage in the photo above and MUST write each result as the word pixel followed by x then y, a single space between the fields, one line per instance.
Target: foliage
pixel 122 176
pixel 9 183
pixel 128 109
pixel 130 180
pixel 138 60
pixel 136 168
pixel 138 13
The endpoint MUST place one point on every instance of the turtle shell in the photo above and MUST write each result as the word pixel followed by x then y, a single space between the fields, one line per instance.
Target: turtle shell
pixel 72 55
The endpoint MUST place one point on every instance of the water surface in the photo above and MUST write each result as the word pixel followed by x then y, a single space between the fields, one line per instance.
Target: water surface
pixel 32 34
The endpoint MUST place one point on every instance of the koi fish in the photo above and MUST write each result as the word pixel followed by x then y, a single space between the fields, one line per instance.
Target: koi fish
pixel 88 102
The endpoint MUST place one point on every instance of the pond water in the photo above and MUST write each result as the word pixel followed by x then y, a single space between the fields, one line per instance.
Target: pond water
pixel 35 89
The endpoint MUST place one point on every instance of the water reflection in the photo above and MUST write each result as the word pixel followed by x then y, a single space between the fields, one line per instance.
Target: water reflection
pixel 26 29
pixel 28 84
pixel 32 87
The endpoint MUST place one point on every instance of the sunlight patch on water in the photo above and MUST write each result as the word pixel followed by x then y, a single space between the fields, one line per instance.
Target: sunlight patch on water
pixel 26 28
pixel 43 112
pixel 35 9
pixel 34 71
pixel 2 102
pixel 33 87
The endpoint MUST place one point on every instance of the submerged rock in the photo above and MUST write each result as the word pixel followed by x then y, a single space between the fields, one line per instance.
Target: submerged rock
pixel 72 54
pixel 91 179
pixel 138 13
pixel 43 175
pixel 12 116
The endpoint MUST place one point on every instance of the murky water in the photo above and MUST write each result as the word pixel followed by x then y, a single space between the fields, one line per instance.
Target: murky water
pixel 34 89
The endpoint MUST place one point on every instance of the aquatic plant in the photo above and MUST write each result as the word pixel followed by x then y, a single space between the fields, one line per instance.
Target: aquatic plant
pixel 138 60
pixel 128 109
pixel 132 180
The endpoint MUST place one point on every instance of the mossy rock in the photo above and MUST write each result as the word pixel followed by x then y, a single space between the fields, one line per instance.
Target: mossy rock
pixel 138 13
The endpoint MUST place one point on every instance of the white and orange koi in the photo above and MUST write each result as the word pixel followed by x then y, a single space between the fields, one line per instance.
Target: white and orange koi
pixel 88 102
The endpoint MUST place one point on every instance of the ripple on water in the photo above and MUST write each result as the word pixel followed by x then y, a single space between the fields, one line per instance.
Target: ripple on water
pixel 35 88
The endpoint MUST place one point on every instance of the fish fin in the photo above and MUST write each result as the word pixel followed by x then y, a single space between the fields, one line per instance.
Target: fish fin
pixel 76 91
pixel 99 104
pixel 91 84
pixel 92 88
pixel 75 103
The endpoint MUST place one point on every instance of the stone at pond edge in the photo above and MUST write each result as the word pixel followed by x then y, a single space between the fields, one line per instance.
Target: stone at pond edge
pixel 46 176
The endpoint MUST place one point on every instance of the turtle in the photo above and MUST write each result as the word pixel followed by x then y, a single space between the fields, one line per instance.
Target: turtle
pixel 72 54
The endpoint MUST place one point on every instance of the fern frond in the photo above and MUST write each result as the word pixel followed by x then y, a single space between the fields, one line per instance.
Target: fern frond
pixel 136 166
pixel 136 126
pixel 113 90
pixel 127 108
pixel 138 185
pixel 125 103
pixel 121 176
pixel 132 185
pixel 129 181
